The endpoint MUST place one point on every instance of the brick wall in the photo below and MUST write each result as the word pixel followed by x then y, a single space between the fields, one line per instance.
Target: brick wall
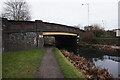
pixel 24 35
pixel 19 35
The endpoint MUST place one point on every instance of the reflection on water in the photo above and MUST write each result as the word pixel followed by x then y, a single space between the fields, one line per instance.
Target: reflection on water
pixel 111 65
pixel 110 61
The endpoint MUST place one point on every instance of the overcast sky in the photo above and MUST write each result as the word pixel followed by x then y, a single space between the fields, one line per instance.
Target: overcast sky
pixel 72 12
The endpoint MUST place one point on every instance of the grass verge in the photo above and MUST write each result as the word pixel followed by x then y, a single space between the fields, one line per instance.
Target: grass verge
pixel 22 64
pixel 68 70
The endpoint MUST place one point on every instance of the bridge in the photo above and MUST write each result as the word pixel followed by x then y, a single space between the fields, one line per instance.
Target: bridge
pixel 23 35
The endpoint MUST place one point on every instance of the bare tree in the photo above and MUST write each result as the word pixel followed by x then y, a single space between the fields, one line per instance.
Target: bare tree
pixel 96 29
pixel 16 10
pixel 78 26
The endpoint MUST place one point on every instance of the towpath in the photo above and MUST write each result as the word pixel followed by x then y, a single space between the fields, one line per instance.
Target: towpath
pixel 49 67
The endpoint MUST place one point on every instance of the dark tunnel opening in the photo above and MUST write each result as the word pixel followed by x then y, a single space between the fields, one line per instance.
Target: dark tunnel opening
pixel 62 42
pixel 66 42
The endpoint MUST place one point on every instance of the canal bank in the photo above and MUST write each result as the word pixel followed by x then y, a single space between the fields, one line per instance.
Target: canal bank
pixel 100 58
pixel 105 48
pixel 87 67
pixel 67 68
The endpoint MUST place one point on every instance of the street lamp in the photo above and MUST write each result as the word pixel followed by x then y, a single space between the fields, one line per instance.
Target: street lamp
pixel 88 11
pixel 103 23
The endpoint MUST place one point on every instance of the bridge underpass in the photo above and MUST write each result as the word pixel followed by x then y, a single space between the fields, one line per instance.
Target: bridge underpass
pixel 66 42
pixel 62 41
pixel 26 35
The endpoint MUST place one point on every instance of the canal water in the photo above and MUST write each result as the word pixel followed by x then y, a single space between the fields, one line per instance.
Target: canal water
pixel 110 61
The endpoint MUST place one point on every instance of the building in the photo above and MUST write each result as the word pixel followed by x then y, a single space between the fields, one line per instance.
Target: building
pixel 118 33
pixel 118 30
pixel 87 28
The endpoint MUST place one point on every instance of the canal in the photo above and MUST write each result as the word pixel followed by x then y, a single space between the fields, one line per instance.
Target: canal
pixel 110 61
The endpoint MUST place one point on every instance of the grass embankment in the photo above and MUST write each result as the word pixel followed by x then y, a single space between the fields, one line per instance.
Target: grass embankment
pixel 22 64
pixel 68 70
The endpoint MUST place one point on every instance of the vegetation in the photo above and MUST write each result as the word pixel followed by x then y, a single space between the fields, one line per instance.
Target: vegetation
pixel 48 40
pixel 16 10
pixel 22 64
pixel 99 31
pixel 106 38
pixel 94 33
pixel 82 42
pixel 88 36
pixel 86 67
pixel 68 70
pixel 96 29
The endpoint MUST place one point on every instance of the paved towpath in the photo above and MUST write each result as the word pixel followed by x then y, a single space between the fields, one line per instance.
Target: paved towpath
pixel 49 67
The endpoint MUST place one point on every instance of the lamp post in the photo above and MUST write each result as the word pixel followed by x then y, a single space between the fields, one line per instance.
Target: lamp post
pixel 103 24
pixel 88 11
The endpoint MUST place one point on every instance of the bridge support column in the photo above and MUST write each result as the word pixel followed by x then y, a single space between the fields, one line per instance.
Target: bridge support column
pixel 40 41
pixel 5 35
pixel 39 38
